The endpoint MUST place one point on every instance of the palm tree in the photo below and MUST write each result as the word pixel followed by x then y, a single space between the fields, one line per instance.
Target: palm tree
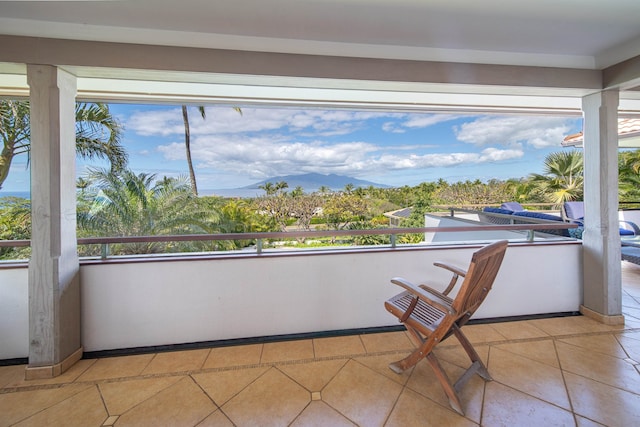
pixel 187 143
pixel 629 177
pixel 98 134
pixel 562 179
pixel 126 204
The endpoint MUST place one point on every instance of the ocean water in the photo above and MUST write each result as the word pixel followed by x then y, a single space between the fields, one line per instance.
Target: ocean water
pixel 226 192
pixel 23 194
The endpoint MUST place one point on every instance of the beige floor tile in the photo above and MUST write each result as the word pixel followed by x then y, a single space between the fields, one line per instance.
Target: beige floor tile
pixel 240 355
pixel 414 409
pixel 537 379
pixel 120 396
pixel 271 400
pixel 543 351
pixel 320 414
pixel 602 403
pixel 631 346
pixel 631 323
pixel 600 367
pixel 424 381
pixel 176 361
pixel 116 367
pixel 111 420
pixel 605 343
pixel 23 404
pixel 82 409
pixel 11 375
pixel 361 394
pixel 482 334
pixel 380 364
pixel 559 326
pixel 631 313
pixel 338 346
pixel 453 352
pixel 287 351
pixel 628 300
pixel 507 407
pixel 387 341
pixel 182 404
pixel 217 419
pixel 585 422
pixel 519 330
pixel 313 376
pixel 222 386
pixel 71 375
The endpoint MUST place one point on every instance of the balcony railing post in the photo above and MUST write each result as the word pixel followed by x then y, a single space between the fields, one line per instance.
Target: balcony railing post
pixel 530 235
pixel 393 240
pixel 258 246
pixel 104 251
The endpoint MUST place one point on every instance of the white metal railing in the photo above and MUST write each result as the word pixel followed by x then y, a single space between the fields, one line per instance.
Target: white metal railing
pixel 260 238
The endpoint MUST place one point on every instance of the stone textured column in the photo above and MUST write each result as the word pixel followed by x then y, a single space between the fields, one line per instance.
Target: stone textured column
pixel 601 238
pixel 54 279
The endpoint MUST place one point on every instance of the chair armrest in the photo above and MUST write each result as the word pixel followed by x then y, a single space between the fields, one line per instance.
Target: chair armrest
pixel 457 272
pixel 433 300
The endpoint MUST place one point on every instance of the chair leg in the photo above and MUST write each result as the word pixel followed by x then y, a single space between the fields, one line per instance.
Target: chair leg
pixel 477 365
pixel 408 362
pixel 417 355
pixel 454 400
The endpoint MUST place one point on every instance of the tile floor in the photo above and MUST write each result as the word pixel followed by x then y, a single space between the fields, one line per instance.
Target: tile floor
pixel 564 371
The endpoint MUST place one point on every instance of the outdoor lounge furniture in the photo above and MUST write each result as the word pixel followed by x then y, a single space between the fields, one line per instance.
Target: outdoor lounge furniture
pixel 512 206
pixel 506 216
pixel 431 316
pixel 631 254
pixel 574 212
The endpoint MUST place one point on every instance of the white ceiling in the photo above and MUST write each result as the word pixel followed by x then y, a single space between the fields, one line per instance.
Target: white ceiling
pixel 558 33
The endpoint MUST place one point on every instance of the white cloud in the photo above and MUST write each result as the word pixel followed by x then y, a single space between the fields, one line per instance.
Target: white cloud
pixel 260 157
pixel 267 142
pixel 537 132
pixel 225 120
pixel 426 120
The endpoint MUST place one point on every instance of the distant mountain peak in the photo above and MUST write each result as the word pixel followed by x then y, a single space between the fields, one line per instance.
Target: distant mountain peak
pixel 313 181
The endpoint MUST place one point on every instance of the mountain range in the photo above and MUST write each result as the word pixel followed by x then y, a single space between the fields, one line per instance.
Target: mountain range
pixel 314 181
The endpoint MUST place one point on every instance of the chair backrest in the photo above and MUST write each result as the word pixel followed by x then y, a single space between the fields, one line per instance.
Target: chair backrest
pixel 479 279
pixel 573 210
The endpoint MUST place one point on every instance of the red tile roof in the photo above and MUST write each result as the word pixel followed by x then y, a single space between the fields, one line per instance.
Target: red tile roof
pixel 626 129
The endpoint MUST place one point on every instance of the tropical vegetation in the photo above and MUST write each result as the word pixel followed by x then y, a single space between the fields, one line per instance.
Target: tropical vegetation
pixel 116 201
pixel 98 134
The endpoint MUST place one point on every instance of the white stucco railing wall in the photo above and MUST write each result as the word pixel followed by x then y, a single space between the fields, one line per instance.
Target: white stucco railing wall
pixel 127 305
pixel 14 313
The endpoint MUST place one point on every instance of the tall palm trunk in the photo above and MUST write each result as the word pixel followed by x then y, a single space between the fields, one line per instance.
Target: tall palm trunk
pixel 187 144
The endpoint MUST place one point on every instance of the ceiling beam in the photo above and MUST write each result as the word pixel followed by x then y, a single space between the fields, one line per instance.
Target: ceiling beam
pixel 32 50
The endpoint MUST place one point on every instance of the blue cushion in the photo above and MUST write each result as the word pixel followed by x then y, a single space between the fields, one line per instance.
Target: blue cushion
pixel 497 210
pixel 625 232
pixel 512 206
pixel 538 215
pixel 574 210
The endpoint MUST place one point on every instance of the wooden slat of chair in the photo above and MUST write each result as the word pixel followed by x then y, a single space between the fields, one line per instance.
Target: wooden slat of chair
pixel 431 316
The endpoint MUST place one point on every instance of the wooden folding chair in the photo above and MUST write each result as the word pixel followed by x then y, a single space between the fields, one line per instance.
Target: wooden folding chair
pixel 431 316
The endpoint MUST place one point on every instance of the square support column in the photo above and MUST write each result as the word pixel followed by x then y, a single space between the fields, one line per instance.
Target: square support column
pixel 601 239
pixel 54 269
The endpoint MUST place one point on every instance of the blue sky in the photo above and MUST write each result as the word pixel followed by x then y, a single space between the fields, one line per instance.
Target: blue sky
pixel 232 150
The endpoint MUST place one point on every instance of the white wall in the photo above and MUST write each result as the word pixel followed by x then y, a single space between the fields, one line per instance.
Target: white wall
pixel 14 313
pixel 172 302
